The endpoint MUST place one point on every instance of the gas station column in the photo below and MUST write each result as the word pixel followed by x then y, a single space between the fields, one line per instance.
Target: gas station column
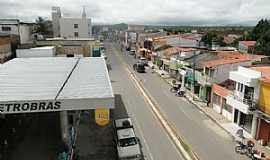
pixel 64 126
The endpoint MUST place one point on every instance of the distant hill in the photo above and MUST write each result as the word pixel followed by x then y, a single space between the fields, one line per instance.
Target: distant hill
pixel 120 26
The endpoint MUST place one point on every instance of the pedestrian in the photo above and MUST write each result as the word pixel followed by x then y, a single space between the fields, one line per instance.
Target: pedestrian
pixel 208 102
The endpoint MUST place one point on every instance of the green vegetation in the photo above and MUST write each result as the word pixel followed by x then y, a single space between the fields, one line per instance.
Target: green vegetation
pixel 261 33
pixel 44 27
pixel 211 37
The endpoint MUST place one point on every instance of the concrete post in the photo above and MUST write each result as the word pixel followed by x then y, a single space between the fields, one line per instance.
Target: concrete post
pixel 258 128
pixel 254 126
pixel 64 126
pixel 183 81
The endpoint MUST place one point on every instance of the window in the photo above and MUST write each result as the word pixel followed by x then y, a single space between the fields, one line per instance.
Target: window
pixel 6 28
pixel 128 142
pixel 76 34
pixel 211 72
pixel 216 99
pixel 240 87
pixel 227 107
pixel 76 25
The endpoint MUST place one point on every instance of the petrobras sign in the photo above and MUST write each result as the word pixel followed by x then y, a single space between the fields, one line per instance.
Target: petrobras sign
pixel 12 107
pixel 32 106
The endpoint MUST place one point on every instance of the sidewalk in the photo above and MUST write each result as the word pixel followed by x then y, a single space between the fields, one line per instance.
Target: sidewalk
pixel 221 121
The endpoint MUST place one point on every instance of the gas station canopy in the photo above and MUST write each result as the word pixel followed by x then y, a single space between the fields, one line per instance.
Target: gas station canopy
pixel 54 84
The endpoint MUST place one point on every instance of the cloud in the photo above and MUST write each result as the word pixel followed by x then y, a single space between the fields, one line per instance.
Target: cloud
pixel 178 12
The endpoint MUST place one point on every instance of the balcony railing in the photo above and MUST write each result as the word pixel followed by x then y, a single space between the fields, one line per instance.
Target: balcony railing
pixel 247 101
pixel 204 79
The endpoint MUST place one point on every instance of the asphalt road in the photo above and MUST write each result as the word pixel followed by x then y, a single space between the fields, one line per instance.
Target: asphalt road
pixel 156 143
pixel 206 138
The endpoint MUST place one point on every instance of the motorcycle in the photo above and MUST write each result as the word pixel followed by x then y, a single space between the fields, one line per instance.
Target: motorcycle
pixel 247 149
pixel 180 93
pixel 240 148
pixel 174 88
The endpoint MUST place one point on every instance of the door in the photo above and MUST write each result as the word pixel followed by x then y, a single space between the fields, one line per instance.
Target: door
pixel 264 131
pixel 235 116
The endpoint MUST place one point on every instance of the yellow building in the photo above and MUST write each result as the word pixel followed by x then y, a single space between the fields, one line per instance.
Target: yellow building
pixel 264 101
pixel 263 128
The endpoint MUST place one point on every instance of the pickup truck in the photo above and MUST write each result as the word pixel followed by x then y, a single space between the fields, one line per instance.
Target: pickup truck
pixel 127 144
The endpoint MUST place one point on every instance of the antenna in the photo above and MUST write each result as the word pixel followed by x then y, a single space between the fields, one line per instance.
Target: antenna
pixel 83 13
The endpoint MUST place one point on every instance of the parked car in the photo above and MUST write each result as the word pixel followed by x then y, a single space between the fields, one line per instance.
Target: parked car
pixel 127 144
pixel 144 61
pixel 139 67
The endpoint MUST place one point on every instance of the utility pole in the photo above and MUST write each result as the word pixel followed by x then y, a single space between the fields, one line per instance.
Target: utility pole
pixel 193 76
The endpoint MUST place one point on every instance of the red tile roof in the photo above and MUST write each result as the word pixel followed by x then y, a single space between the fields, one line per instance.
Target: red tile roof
pixel 265 70
pixel 221 91
pixel 175 50
pixel 228 39
pixel 230 58
pixel 248 43
pixel 164 37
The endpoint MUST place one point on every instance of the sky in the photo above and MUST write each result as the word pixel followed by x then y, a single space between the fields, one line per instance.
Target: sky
pixel 153 12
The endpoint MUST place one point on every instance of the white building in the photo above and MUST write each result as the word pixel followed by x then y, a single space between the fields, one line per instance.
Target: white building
pixel 15 27
pixel 245 98
pixel 48 51
pixel 246 46
pixel 71 27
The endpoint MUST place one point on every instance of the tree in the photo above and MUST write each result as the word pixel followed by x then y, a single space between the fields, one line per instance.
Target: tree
pixel 261 33
pixel 260 29
pixel 44 26
pixel 211 37
pixel 263 44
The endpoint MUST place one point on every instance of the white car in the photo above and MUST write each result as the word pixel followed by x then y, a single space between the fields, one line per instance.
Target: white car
pixel 128 145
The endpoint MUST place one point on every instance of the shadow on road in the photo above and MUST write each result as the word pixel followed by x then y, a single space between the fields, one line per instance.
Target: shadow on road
pixel 120 109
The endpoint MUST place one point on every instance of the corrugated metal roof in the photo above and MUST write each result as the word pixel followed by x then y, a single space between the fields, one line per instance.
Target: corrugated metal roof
pixel 33 78
pixel 94 84
pixel 78 83
pixel 9 21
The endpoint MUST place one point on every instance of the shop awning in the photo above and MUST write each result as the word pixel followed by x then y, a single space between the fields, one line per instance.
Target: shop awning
pixel 54 84
pixel 190 78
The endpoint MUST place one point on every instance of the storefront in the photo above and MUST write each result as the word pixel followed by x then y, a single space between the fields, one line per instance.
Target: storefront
pixel 263 131
pixel 166 64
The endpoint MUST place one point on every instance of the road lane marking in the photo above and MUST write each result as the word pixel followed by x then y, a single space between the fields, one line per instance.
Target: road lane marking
pixel 143 138
pixel 137 126
pixel 182 147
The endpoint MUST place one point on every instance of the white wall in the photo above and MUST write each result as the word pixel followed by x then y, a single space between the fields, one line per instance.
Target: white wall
pixel 14 29
pixel 36 52
pixel 25 34
pixel 56 14
pixel 222 72
pixel 227 114
pixel 67 27
pixel 22 30
pixel 242 48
